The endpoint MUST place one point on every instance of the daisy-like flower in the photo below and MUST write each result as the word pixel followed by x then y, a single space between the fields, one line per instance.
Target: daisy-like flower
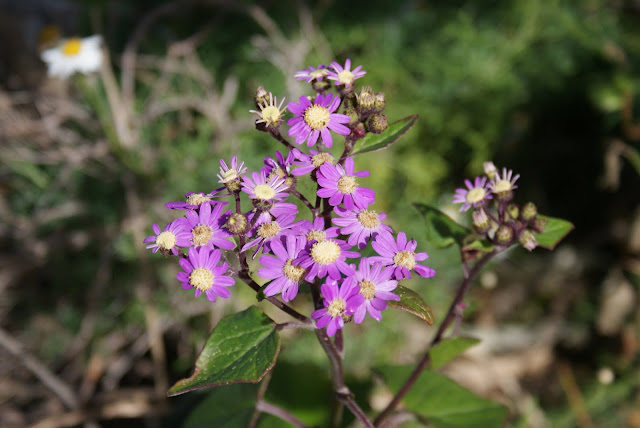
pixel 230 177
pixel 309 163
pixel 339 302
pixel 269 231
pixel 281 269
pixel 72 55
pixel 340 184
pixel 201 271
pixel 167 241
pixel 474 195
pixel 280 167
pixel 315 231
pixel 360 224
pixel 503 184
pixel 344 75
pixel 195 199
pixel 270 114
pixel 401 256
pixel 313 120
pixel 310 74
pixel 206 227
pixel 375 286
pixel 262 190
pixel 326 257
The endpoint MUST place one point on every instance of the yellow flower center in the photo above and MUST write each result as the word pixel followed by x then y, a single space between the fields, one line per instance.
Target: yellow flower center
pixel 346 77
pixel 166 240
pixel 201 234
pixel 316 235
pixel 502 186
pixel 268 230
pixel 197 199
pixel 71 47
pixel 317 117
pixel 336 307
pixel 475 195
pixel 369 219
pixel 264 192
pixel 316 74
pixel 294 273
pixel 325 252
pixel 270 114
pixel 201 278
pixel 229 175
pixel 277 172
pixel 320 158
pixel 367 289
pixel 404 259
pixel 347 184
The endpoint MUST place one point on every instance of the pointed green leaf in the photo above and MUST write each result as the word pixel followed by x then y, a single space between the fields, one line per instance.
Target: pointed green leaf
pixel 411 302
pixel 242 348
pixel 554 231
pixel 444 403
pixel 448 349
pixel 442 230
pixel 373 142
pixel 228 406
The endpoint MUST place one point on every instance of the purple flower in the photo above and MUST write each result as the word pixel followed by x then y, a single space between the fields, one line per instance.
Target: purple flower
pixel 476 194
pixel 503 183
pixel 280 166
pixel 311 162
pixel 285 274
pixel 338 303
pixel 338 183
pixel 231 174
pixel 360 224
pixel 326 257
pixel 195 200
pixel 344 75
pixel 263 190
pixel 400 255
pixel 173 236
pixel 376 286
pixel 310 74
pixel 315 231
pixel 314 120
pixel 269 231
pixel 201 271
pixel 206 227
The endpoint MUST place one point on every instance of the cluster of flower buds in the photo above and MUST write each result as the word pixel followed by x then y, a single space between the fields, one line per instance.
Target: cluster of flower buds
pixel 322 253
pixel 494 216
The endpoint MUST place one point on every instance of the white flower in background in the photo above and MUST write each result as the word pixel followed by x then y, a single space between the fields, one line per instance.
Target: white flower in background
pixel 74 54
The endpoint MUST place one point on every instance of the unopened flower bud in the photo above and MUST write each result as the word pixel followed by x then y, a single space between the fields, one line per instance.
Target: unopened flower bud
pixel 538 224
pixel 358 132
pixel 490 170
pixel 527 240
pixel 236 223
pixel 380 102
pixel 529 211
pixel 350 101
pixel 366 100
pixel 261 97
pixel 377 123
pixel 481 221
pixel 504 235
pixel 353 114
pixel 513 211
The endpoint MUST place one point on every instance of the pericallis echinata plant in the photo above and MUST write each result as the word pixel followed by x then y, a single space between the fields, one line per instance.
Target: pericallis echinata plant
pixel 321 250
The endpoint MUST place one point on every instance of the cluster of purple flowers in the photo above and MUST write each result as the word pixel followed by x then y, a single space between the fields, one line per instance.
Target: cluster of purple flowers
pixel 323 252
pixel 494 216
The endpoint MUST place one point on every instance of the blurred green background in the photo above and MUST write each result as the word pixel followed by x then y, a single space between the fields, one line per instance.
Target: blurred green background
pixel 547 88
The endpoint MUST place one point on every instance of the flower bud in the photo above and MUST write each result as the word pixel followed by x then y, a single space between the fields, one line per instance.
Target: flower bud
pixel 527 240
pixel 350 101
pixel 358 132
pixel 529 211
pixel 490 170
pixel 380 102
pixel 481 221
pixel 261 97
pixel 513 211
pixel 366 101
pixel 377 123
pixel 353 114
pixel 237 223
pixel 504 235
pixel 538 224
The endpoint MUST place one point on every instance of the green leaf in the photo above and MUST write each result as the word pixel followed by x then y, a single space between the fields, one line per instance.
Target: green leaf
pixel 442 230
pixel 227 406
pixel 444 403
pixel 411 302
pixel 242 348
pixel 554 231
pixel 373 142
pixel 448 349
